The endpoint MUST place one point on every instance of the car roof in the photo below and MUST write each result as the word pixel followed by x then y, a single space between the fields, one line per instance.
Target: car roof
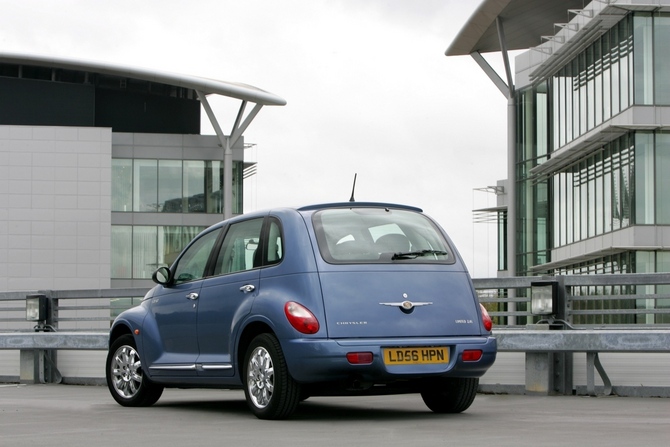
pixel 358 205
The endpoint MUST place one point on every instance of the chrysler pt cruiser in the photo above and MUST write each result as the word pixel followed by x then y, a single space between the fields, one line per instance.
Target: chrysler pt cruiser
pixel 336 299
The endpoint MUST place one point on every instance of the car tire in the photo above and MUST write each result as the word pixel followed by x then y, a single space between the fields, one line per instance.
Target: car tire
pixel 125 378
pixel 270 390
pixel 450 395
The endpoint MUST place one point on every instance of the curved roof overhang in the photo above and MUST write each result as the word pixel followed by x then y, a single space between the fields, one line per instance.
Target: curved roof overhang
pixel 202 86
pixel 207 86
pixel 525 21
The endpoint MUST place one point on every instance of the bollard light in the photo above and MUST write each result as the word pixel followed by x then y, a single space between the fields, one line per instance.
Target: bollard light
pixel 36 308
pixel 544 298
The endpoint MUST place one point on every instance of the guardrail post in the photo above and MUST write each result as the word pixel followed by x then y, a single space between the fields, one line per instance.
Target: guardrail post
pixel 551 372
pixel 39 365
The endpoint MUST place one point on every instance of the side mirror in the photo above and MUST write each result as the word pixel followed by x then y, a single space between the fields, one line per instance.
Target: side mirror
pixel 162 276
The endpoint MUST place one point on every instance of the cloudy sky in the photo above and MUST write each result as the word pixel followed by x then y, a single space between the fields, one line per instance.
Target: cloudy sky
pixel 367 85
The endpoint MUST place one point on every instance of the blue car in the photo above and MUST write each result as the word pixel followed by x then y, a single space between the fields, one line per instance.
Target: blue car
pixel 337 299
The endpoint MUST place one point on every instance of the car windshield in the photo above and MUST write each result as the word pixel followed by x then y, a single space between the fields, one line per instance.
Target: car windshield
pixel 379 235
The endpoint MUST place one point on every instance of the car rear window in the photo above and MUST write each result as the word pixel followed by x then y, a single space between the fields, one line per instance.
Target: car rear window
pixel 379 235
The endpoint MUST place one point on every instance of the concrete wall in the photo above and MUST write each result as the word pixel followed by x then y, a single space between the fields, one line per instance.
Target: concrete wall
pixel 55 219
pixel 55 199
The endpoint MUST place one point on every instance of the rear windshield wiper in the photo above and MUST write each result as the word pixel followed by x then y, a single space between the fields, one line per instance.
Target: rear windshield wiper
pixel 416 254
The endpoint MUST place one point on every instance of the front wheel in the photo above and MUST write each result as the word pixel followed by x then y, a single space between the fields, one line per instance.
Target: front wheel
pixel 125 379
pixel 270 390
pixel 450 395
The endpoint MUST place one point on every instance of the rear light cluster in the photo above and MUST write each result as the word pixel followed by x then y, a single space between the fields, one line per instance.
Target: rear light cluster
pixel 359 358
pixel 486 318
pixel 301 318
pixel 472 355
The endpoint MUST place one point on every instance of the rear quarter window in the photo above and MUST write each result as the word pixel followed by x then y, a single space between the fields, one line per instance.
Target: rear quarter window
pixel 379 235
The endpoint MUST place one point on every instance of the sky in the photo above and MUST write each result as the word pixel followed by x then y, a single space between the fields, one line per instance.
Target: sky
pixel 368 88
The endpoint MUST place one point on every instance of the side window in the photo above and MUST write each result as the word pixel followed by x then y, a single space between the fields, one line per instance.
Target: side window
pixel 192 264
pixel 239 248
pixel 275 246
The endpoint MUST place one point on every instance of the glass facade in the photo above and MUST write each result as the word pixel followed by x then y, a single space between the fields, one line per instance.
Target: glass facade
pixel 138 250
pixel 532 242
pixel 609 187
pixel 172 186
pixel 596 85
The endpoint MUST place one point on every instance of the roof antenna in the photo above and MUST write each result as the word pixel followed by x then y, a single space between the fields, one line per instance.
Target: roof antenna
pixel 353 188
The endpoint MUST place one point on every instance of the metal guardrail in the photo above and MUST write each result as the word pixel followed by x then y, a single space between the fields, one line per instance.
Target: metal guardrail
pixel 611 313
pixel 605 301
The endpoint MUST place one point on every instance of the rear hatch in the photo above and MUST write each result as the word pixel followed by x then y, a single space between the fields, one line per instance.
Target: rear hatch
pixel 390 271
pixel 404 302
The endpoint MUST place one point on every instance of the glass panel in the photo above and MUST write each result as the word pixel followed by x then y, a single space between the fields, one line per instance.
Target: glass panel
pixel 192 264
pixel 214 185
pixel 662 177
pixel 644 178
pixel 145 185
pixel 569 208
pixel 607 190
pixel 590 109
pixel 173 239
pixel 169 186
pixel 616 78
pixel 194 186
pixel 121 256
pixel 275 244
pixel 240 248
pixel 625 70
pixel 145 251
pixel 598 84
pixel 607 78
pixel 122 184
pixel 662 58
pixel 238 199
pixel 598 199
pixel 378 235
pixel 583 96
pixel 644 79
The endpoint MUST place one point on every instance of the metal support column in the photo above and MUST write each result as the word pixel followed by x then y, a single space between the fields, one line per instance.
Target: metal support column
pixel 227 143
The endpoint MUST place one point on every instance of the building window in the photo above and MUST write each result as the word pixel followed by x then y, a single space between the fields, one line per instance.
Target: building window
pixel 137 251
pixel 596 85
pixel 173 186
pixel 595 195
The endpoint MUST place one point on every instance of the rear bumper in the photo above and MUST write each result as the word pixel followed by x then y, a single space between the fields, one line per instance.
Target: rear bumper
pixel 324 360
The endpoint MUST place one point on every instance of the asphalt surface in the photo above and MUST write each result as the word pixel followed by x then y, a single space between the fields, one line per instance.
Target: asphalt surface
pixel 69 415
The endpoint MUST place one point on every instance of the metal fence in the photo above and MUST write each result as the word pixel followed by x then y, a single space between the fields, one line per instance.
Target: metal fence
pixel 595 301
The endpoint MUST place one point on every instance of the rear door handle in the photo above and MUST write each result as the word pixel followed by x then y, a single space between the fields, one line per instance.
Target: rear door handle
pixel 247 288
pixel 192 296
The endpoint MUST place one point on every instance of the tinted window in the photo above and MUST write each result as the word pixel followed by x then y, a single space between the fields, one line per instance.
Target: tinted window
pixel 192 264
pixel 379 235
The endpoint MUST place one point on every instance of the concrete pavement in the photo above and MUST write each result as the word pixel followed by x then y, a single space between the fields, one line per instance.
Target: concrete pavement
pixel 69 415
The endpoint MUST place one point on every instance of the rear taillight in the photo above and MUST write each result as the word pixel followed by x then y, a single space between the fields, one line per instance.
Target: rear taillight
pixel 360 358
pixel 472 355
pixel 486 318
pixel 301 318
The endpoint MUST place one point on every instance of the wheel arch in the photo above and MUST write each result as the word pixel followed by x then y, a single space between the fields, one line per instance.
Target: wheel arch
pixel 117 331
pixel 249 333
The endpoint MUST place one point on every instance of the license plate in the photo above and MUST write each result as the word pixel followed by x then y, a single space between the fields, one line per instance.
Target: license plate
pixel 416 356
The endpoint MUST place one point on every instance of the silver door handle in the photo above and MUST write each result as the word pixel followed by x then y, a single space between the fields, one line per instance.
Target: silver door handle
pixel 192 296
pixel 247 288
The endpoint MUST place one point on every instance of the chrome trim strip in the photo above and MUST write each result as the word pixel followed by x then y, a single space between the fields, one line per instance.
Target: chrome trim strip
pixel 221 366
pixel 174 367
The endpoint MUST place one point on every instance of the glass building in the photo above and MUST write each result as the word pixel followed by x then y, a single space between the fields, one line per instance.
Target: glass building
pixel 588 134
pixel 104 172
